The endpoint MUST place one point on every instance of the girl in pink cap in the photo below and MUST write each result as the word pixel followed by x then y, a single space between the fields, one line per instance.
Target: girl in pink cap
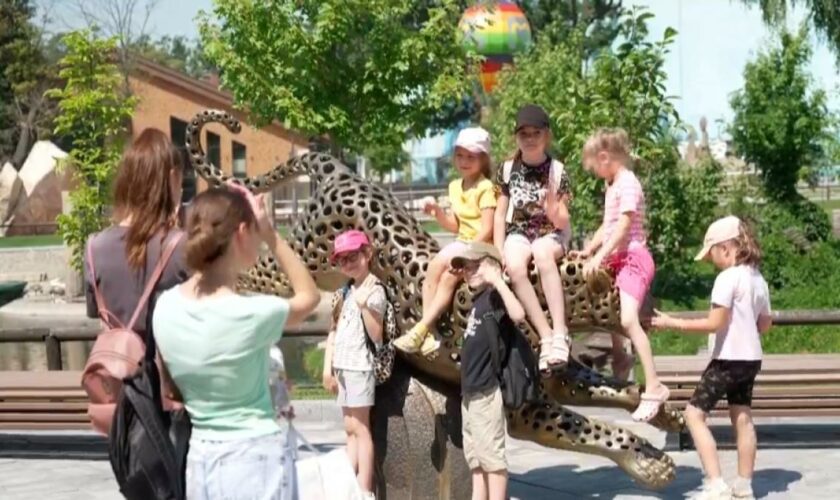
pixel 357 321
pixel 621 244
pixel 473 200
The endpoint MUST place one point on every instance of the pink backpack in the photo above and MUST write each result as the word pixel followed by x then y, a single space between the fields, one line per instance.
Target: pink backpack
pixel 118 349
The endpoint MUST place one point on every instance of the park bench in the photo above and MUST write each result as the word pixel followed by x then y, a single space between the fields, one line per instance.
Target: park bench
pixel 42 400
pixel 789 385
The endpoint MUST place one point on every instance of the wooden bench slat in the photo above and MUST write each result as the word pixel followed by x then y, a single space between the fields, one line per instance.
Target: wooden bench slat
pixel 803 404
pixel 769 378
pixel 42 406
pixel 61 394
pixel 42 417
pixel 786 391
pixel 17 380
pixel 781 363
pixel 42 426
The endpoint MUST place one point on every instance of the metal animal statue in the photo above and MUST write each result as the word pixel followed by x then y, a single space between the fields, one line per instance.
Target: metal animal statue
pixel 342 200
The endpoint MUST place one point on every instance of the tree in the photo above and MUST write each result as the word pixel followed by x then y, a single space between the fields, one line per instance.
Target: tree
pixel 622 87
pixel 557 19
pixel 362 73
pixel 823 14
pixel 782 123
pixel 93 112
pixel 176 52
pixel 25 113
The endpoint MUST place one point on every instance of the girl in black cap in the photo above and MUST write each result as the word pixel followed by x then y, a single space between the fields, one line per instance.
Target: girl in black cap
pixel 532 221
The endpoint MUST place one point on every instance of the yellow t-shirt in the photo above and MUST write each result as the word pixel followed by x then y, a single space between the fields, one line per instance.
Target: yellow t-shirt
pixel 467 205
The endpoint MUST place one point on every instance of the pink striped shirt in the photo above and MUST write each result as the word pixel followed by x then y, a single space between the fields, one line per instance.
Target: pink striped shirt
pixel 625 195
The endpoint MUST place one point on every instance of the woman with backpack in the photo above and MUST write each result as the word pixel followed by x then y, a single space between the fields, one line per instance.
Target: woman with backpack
pixel 358 313
pixel 215 345
pixel 120 259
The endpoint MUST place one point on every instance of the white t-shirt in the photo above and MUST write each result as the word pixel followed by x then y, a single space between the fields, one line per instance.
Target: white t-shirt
pixel 743 291
pixel 351 351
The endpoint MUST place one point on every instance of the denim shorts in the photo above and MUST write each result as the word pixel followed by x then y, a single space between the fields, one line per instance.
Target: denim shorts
pixel 258 468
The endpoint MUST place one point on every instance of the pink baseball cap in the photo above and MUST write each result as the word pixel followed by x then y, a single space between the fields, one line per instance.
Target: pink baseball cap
pixel 474 139
pixel 348 241
pixel 721 230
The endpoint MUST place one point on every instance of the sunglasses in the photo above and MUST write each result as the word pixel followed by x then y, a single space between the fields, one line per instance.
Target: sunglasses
pixel 348 258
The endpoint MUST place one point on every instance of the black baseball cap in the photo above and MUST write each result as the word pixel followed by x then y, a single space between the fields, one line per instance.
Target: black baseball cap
pixel 531 115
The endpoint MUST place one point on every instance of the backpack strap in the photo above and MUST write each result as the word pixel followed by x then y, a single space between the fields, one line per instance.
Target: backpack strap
pixel 169 249
pixel 106 316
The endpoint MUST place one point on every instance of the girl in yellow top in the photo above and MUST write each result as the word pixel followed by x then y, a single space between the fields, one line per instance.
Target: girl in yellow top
pixel 473 201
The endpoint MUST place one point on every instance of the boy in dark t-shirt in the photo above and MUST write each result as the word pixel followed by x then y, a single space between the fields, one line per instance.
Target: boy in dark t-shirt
pixel 495 307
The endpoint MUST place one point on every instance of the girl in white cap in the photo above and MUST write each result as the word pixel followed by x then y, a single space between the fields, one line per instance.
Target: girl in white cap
pixel 473 201
pixel 739 315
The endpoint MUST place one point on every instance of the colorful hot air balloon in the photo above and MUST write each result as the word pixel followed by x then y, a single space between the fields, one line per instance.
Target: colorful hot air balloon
pixel 497 33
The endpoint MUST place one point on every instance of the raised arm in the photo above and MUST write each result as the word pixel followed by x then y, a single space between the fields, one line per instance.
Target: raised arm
pixel 306 295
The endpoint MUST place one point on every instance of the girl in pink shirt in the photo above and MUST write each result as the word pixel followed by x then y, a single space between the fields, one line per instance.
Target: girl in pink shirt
pixel 620 244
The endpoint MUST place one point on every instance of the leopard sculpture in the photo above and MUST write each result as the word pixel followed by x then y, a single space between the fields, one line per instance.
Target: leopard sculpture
pixel 342 200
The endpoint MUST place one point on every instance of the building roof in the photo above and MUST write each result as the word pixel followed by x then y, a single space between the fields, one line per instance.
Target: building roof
pixel 204 90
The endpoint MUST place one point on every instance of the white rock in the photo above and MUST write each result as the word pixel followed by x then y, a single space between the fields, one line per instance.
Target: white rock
pixel 11 187
pixel 42 187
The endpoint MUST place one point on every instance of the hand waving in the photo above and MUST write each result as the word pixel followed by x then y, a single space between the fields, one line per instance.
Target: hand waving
pixel 363 291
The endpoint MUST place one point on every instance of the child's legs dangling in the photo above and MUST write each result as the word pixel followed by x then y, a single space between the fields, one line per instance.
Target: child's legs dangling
pixel 442 299
pixel 437 267
pixel 631 326
pixel 547 250
pixel 517 257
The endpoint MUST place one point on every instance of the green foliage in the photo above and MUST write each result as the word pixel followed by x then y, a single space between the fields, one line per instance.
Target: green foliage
pixel 94 112
pixel 557 19
pixel 782 123
pixel 622 87
pixel 25 113
pixel 313 362
pixel 176 52
pixel 364 73
pixel 823 14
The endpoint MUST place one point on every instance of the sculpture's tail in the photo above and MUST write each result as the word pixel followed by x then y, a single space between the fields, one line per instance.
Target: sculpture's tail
pixel 299 165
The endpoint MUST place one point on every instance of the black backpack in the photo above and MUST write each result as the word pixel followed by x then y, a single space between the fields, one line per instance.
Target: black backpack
pixel 518 374
pixel 148 445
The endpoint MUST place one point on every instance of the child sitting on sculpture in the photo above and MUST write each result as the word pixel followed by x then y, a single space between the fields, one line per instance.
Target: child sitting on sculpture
pixel 532 220
pixel 495 312
pixel 739 315
pixel 348 362
pixel 621 244
pixel 473 200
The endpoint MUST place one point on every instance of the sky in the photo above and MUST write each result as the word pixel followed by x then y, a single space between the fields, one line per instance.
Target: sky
pixel 716 39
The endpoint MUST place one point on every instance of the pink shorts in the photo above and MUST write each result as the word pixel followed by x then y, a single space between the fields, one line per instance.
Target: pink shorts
pixel 451 250
pixel 634 270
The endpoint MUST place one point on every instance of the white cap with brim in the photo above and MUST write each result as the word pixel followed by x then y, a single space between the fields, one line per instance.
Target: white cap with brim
pixel 721 230
pixel 476 250
pixel 476 140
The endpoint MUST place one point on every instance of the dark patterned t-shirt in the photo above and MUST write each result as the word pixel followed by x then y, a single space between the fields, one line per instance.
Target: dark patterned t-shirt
pixel 524 189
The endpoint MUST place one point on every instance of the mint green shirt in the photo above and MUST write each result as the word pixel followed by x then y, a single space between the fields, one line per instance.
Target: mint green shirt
pixel 216 350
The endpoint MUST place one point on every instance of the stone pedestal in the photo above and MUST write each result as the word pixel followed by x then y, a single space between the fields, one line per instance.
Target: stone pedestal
pixel 417 440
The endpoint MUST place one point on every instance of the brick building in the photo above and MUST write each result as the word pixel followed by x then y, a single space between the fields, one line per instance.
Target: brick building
pixel 168 100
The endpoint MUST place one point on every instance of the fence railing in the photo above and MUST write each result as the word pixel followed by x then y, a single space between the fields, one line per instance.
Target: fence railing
pixel 53 337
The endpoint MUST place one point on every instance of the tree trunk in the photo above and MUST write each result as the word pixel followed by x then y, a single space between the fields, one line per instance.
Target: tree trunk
pixel 24 145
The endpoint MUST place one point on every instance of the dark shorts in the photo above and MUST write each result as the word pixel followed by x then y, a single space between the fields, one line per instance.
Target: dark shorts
pixel 733 379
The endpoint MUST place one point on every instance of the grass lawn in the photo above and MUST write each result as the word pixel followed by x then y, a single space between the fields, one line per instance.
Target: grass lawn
pixel 30 241
pixel 829 206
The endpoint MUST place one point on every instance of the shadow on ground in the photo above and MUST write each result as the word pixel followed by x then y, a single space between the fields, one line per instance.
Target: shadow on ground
pixel 564 481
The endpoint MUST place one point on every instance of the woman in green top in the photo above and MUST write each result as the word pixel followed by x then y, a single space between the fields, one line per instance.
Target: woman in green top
pixel 215 344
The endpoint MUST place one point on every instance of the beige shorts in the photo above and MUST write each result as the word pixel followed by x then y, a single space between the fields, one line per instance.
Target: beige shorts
pixel 356 389
pixel 484 425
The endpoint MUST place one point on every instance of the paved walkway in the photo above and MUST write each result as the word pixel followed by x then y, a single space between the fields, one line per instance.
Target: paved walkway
pixel 536 473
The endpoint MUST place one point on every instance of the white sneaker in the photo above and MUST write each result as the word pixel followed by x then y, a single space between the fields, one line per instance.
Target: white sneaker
pixel 742 489
pixel 715 489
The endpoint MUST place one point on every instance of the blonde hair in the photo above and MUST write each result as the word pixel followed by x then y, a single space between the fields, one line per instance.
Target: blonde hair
pixel 614 141
pixel 747 251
